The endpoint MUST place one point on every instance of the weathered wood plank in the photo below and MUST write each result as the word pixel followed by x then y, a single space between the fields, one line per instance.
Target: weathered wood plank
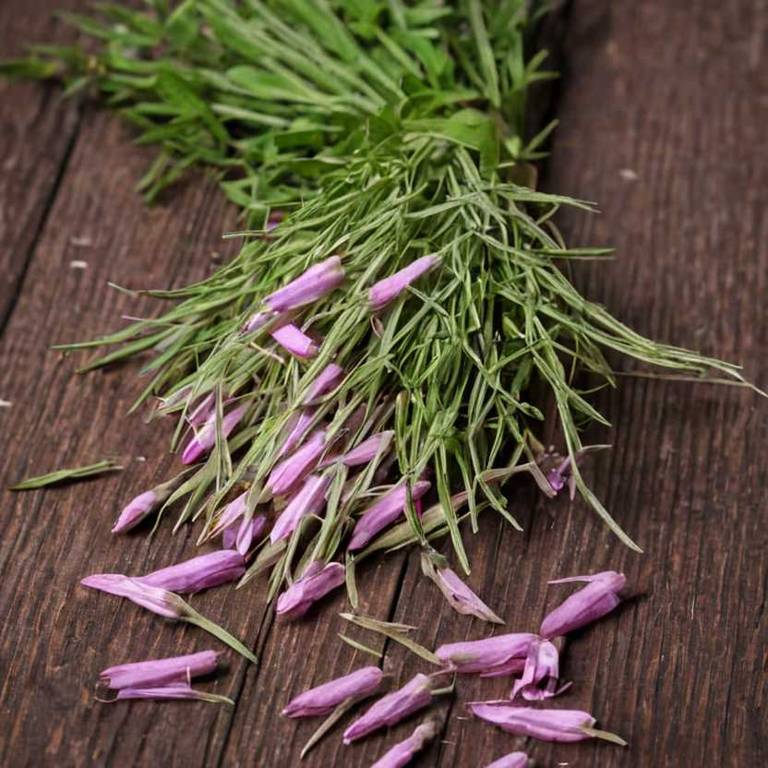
pixel 37 129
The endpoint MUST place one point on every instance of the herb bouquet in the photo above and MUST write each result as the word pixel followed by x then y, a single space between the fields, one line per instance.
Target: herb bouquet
pixel 400 286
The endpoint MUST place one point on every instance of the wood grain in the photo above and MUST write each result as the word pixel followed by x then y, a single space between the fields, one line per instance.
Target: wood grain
pixel 662 111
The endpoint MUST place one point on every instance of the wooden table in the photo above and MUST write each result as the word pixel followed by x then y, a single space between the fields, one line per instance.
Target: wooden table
pixel 663 117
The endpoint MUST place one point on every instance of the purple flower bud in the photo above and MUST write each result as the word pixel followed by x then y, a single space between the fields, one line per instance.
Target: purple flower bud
pixel 460 597
pixel 310 500
pixel 381 293
pixel 564 725
pixel 542 665
pixel 202 572
pixel 368 449
pixel 492 657
pixel 316 582
pixel 512 760
pixel 286 475
pixel 205 438
pixel 383 512
pixel 136 511
pixel 594 601
pixel 203 411
pixel 230 515
pixel 154 599
pixel 327 380
pixel 257 320
pixel 159 672
pixel 171 691
pixel 325 698
pixel 292 339
pixel 296 430
pixel 241 535
pixel 403 752
pixel 392 708
pixel 312 285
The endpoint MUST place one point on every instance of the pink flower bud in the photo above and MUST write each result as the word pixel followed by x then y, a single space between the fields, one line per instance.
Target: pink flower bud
pixel 392 708
pixel 368 449
pixel 203 411
pixel 154 599
pixel 258 320
pixel 286 475
pixel 202 572
pixel 381 293
pixel 295 431
pixel 136 511
pixel 460 597
pixel 240 536
pixel 159 672
pixel 312 285
pixel 292 339
pixel 512 760
pixel 492 657
pixel 171 691
pixel 205 437
pixel 325 698
pixel 564 725
pixel 598 598
pixel 383 512
pixel 542 666
pixel 310 500
pixel 316 582
pixel 327 380
pixel 403 752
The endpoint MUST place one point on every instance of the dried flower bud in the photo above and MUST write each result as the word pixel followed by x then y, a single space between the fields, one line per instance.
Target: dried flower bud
pixel 258 320
pixel 292 339
pixel 198 573
pixel 171 691
pixel 563 725
pixel 392 708
pixel 316 582
pixel 158 672
pixel 491 657
pixel 598 598
pixel 286 475
pixel 205 437
pixel 388 289
pixel 295 431
pixel 403 752
pixel 240 536
pixel 310 500
pixel 154 599
pixel 136 511
pixel 383 512
pixel 366 452
pixel 542 669
pixel 512 760
pixel 316 282
pixel 327 380
pixel 325 698
pixel 460 597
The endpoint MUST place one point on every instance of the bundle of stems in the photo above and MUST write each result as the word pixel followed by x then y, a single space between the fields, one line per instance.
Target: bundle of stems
pixel 385 134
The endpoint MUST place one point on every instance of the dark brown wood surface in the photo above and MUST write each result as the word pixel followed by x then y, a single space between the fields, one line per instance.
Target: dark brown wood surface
pixel 663 113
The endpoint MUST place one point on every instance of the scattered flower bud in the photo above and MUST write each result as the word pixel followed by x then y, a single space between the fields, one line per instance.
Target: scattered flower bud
pixel 512 760
pixel 205 437
pixel 137 510
pixel 257 320
pixel 384 291
pixel 542 665
pixel 154 599
pixel 392 708
pixel 203 411
pixel 383 512
pixel 403 752
pixel 325 698
pixel 460 597
pixel 492 657
pixel 198 573
pixel 241 535
pixel 316 582
pixel 286 475
pixel 159 672
pixel 292 339
pixel 327 380
pixel 318 281
pixel 172 691
pixel 598 598
pixel 564 725
pixel 367 451
pixel 310 500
